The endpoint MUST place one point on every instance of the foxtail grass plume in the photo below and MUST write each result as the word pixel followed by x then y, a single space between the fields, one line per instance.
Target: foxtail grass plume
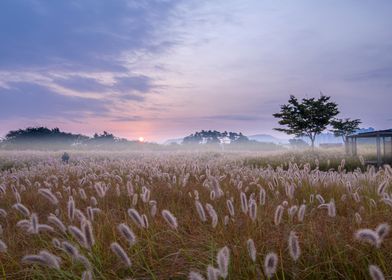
pixel 262 196
pixel 375 272
pixel 44 258
pixel 294 249
pixel 382 230
pixel 3 213
pixel 270 264
pixel 368 236
pixel 195 276
pixel 253 210
pixel 278 214
pixel 230 207
pixel 34 223
pixel 244 203
pixel 78 235
pixel 87 230
pixel 136 217
pixel 3 247
pixel 71 208
pixel 382 188
pixel 47 193
pixel 70 249
pixel 332 208
pixel 121 254
pixel 145 221
pixel 200 211
pixel 170 219
pixel 212 273
pixel 223 259
pixel 214 216
pixel 87 275
pixel 22 209
pixel 301 213
pixel 251 249
pixel 127 233
pixel 57 222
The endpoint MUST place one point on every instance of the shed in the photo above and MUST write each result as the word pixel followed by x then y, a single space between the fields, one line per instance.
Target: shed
pixel 383 140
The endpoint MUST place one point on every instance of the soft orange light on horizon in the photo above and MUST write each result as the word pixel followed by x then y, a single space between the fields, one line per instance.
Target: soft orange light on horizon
pixel 141 139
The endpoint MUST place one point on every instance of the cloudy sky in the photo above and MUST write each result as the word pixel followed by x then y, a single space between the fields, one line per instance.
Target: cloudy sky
pixel 166 68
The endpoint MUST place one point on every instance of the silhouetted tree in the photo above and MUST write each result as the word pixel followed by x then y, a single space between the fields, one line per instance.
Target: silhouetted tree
pixel 307 118
pixel 343 128
pixel 211 137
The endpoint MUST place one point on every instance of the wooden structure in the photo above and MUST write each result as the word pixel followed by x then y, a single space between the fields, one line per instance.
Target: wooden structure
pixel 383 144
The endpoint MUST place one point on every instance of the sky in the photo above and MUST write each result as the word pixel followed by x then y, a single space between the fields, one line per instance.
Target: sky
pixel 164 69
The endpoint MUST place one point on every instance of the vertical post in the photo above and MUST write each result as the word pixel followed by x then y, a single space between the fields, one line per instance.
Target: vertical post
pixel 355 146
pixel 347 145
pixel 378 150
pixel 384 156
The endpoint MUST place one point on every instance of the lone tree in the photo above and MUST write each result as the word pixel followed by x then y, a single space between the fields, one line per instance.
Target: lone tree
pixel 307 118
pixel 343 128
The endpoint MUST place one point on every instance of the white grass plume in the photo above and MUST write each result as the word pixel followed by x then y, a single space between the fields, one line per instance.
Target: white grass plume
pixel 332 208
pixel 3 247
pixel 136 217
pixel 71 208
pixel 262 196
pixel 382 231
pixel 223 259
pixel 47 193
pixel 195 276
pixel 214 216
pixel 270 264
pixel 3 213
pixel 170 219
pixel 251 249
pixel 121 254
pixel 368 236
pixel 34 224
pixel 87 230
pixel 375 272
pixel 230 207
pixel 294 249
pixel 43 258
pixel 127 233
pixel 253 210
pixel 70 249
pixel 278 214
pixel 78 235
pixel 57 222
pixel 382 188
pixel 22 209
pixel 87 275
pixel 244 203
pixel 212 273
pixel 301 213
pixel 200 211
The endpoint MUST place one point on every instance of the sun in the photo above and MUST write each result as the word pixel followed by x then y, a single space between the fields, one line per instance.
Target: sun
pixel 141 139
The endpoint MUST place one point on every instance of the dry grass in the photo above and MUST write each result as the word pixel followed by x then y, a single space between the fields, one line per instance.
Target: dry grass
pixel 327 244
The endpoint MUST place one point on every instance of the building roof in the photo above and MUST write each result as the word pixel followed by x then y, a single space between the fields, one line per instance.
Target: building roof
pixel 381 133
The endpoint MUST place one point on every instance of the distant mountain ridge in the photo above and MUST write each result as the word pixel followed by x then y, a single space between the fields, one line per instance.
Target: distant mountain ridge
pixel 267 139
pixel 323 138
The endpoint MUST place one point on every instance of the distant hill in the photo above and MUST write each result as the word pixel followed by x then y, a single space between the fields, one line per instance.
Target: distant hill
pixel 174 140
pixel 266 138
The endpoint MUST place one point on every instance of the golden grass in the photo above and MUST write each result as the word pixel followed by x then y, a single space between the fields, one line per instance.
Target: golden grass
pixel 328 247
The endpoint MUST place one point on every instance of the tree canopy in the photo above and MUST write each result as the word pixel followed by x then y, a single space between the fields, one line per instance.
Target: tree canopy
pixel 308 117
pixel 210 137
pixel 344 127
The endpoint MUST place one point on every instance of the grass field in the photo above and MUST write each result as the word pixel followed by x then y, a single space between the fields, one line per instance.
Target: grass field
pixel 208 215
